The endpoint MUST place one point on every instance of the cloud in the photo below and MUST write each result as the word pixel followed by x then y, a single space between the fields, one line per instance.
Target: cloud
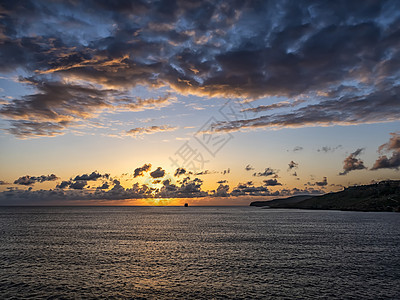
pixel 282 104
pixel 188 189
pixel 158 173
pixel 271 182
pixel 141 170
pixel 78 185
pixel 222 181
pixel 150 130
pixel 267 172
pixel 93 176
pixel 293 165
pixel 104 186
pixel 385 162
pixel 30 180
pixel 64 184
pixel 2 182
pixel 58 105
pixel 222 191
pixel 297 191
pixel 327 149
pixel 29 197
pixel 26 129
pixel 141 104
pixel 247 189
pixel 224 172
pixel 352 163
pixel 377 107
pixel 79 182
pixel 324 182
pixel 205 172
pixel 179 171
pixel 342 58
pixel 393 144
pixel 249 168
pixel 297 148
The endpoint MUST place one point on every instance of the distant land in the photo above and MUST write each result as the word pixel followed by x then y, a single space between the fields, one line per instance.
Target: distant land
pixel 382 196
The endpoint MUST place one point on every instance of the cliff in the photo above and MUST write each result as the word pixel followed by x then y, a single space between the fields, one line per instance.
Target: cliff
pixel 382 196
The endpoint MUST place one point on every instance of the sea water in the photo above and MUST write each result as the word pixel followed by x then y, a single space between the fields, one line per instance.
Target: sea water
pixel 197 253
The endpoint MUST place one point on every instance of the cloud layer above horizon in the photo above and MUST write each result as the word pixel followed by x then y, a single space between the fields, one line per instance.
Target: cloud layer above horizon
pixel 332 62
pixel 183 183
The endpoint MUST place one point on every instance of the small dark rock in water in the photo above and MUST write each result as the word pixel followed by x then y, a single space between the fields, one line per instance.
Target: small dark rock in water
pixel 186 205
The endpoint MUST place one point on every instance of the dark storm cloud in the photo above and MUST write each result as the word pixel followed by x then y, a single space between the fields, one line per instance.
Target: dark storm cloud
pixel 343 54
pixel 158 173
pixel 392 162
pixel 352 163
pixel 267 172
pixel 30 180
pixel 141 170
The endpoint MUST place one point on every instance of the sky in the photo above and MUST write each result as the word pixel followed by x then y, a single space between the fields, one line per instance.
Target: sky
pixel 199 102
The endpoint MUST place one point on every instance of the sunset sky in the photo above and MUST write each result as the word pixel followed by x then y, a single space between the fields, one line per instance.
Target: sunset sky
pixel 205 102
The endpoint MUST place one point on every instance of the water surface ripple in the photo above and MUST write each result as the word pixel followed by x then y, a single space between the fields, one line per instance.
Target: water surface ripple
pixel 197 253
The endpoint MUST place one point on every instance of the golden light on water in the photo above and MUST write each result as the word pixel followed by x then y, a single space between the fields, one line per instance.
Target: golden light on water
pixel 155 202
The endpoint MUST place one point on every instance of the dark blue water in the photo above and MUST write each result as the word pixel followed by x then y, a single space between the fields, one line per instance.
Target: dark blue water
pixel 197 253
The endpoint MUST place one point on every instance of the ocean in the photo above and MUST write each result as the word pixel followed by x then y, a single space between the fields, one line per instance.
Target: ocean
pixel 197 253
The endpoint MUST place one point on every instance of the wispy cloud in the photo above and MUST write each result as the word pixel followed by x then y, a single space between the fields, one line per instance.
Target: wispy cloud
pixel 267 172
pixel 139 131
